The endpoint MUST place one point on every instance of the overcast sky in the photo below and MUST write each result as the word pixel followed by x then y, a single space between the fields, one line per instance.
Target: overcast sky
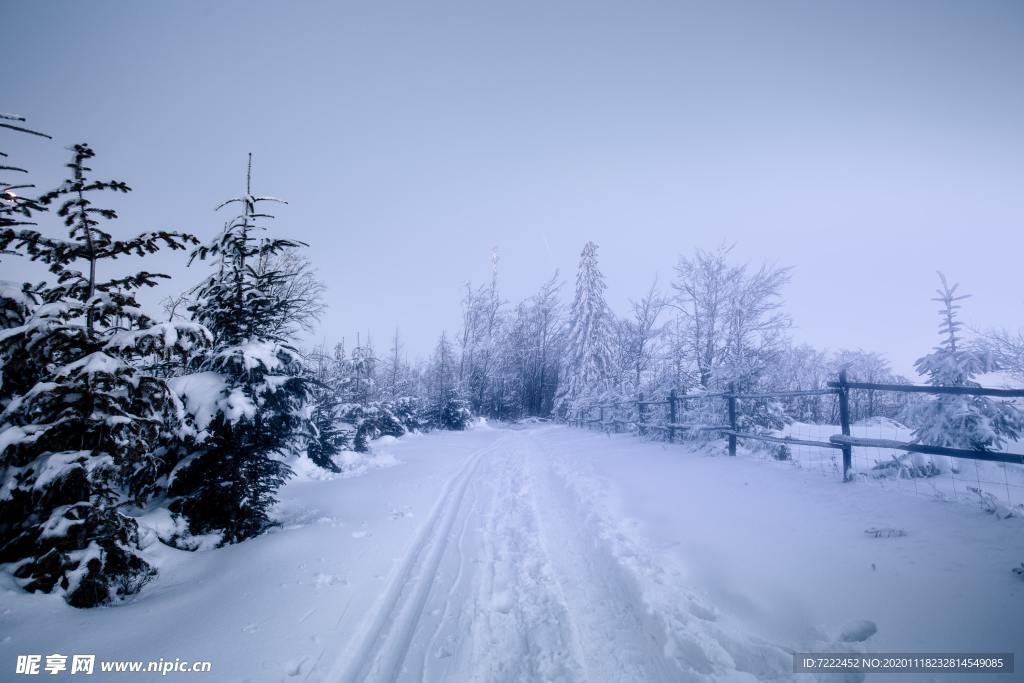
pixel 866 144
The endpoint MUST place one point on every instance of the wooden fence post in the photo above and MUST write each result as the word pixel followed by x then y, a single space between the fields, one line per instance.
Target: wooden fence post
pixel 732 418
pixel 671 415
pixel 640 413
pixel 602 418
pixel 844 424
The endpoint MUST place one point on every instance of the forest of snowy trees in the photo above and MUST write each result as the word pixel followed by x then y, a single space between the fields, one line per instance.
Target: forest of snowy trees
pixel 196 413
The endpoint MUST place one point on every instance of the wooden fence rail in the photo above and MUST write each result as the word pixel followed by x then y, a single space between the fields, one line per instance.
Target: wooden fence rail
pixel 843 441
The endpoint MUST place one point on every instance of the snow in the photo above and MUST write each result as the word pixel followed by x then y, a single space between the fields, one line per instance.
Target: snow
pixel 551 553
pixel 94 363
pixel 15 291
pixel 179 334
pixel 57 465
pixel 202 393
pixel 981 483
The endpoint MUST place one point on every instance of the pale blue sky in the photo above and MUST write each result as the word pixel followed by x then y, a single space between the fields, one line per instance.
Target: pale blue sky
pixel 886 138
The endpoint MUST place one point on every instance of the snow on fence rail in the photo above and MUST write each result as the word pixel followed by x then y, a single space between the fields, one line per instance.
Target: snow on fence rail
pixel 843 441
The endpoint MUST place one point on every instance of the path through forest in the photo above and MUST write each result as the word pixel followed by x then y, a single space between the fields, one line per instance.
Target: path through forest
pixel 548 553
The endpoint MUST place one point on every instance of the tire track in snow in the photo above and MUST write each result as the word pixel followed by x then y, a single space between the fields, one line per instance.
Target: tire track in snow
pixel 384 644
pixel 613 581
pixel 435 648
pixel 476 599
pixel 523 572
pixel 524 630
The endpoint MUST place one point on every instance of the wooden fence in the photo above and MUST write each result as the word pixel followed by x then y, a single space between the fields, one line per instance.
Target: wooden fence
pixel 843 441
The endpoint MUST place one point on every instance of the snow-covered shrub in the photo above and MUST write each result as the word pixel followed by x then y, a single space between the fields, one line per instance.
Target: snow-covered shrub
pixel 370 422
pixel 407 410
pixel 760 416
pixel 450 412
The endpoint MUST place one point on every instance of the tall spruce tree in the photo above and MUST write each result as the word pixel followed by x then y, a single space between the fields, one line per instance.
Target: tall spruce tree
pixel 83 431
pixel 958 420
pixel 588 358
pixel 257 414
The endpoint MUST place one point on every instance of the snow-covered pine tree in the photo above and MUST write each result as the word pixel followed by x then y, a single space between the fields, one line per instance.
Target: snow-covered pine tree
pixel 446 409
pixel 250 391
pixel 955 420
pixel 327 370
pixel 588 358
pixel 396 382
pixel 363 369
pixel 83 431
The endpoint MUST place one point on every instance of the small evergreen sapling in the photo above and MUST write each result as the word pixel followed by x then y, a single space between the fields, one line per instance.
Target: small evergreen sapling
pixel 956 420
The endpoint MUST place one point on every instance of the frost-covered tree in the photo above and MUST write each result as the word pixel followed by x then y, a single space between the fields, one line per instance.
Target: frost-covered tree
pixel 640 334
pixel 588 364
pixel 483 330
pixel 530 352
pixel 545 313
pixel 84 432
pixel 1005 348
pixel 397 382
pixel 958 420
pixel 734 325
pixel 327 371
pixel 249 396
pixel 363 372
pixel 445 407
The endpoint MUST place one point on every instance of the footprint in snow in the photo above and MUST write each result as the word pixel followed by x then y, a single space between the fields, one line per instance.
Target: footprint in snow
pixel 885 532
pixel 294 668
pixel 858 631
pixel 701 612
pixel 502 602
pixel 323 580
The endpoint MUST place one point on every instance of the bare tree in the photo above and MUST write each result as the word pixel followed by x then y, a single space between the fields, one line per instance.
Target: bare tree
pixel 642 333
pixel 733 317
pixel 1004 350
pixel 298 289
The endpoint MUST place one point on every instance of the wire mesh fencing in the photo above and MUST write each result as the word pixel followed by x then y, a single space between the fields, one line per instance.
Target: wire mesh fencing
pixel 847 430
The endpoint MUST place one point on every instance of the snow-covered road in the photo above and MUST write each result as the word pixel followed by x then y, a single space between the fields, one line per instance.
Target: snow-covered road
pixel 516 578
pixel 553 554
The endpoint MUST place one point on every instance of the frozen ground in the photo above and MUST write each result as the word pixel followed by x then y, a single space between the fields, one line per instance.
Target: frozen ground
pixel 555 554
